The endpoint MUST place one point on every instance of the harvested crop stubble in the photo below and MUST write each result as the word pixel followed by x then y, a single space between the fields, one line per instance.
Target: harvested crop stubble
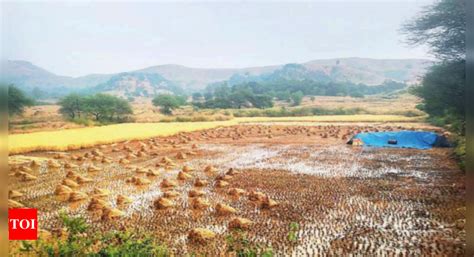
pixel 345 200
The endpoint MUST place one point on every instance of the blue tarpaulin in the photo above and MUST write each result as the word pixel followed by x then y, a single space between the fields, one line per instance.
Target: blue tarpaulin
pixel 400 139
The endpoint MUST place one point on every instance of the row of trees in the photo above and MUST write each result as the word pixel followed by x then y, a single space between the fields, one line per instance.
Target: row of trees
pixel 261 95
pixel 442 27
pixel 17 101
pixel 101 107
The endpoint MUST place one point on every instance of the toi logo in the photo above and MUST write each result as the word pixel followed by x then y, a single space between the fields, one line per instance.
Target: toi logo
pixel 22 224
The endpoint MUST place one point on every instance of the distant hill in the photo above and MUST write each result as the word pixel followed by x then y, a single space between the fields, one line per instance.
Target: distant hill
pixel 135 84
pixel 171 78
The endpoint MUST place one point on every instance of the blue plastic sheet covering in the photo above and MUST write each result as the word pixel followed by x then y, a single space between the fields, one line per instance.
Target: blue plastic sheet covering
pixel 400 139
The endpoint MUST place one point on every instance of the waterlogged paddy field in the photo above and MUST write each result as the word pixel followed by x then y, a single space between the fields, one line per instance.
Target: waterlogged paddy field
pixel 68 139
pixel 347 200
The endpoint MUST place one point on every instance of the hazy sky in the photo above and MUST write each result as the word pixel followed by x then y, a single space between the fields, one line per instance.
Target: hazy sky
pixel 81 38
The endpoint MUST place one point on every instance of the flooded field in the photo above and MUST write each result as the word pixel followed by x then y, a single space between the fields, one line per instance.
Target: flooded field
pixel 345 199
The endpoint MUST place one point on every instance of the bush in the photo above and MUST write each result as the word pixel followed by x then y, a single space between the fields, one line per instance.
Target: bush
pixel 80 241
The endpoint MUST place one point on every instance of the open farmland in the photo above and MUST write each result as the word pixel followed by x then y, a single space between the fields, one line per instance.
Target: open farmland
pixel 259 178
pixel 85 137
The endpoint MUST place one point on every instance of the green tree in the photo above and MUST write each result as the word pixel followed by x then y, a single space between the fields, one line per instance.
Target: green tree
pixel 296 98
pixel 17 101
pixel 442 26
pixel 197 97
pixel 72 106
pixel 167 103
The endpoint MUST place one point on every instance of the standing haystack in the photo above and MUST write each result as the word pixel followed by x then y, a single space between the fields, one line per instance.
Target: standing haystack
pixel 201 235
pixel 111 213
pixel 62 190
pixel 100 193
pixel 69 165
pixel 14 194
pixel 180 156
pixel 187 168
pixel 93 168
pixel 121 199
pixel 231 172
pixel 83 179
pixel 28 177
pixel 97 204
pixel 124 161
pixel 210 169
pixel 70 183
pixel 152 173
pixel 75 196
pixel 199 203
pixel 163 203
pixel 221 183
pixel 183 176
pixel 236 191
pixel 14 204
pixel 196 193
pixel 256 196
pixel 53 164
pixel 269 203
pixel 170 194
pixel 166 183
pixel 200 182
pixel 240 223
pixel 223 209
pixel 71 174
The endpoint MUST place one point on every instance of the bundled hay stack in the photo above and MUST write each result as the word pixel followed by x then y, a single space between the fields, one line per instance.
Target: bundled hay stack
pixel 100 193
pixel 34 164
pixel 183 176
pixel 201 235
pixel 269 203
pixel 93 168
pixel 111 213
pixel 199 203
pixel 196 193
pixel 97 204
pixel 28 177
pixel 210 169
pixel 163 203
pixel 70 183
pixel 106 160
pixel 152 173
pixel 200 182
pixel 141 181
pixel 224 177
pixel 221 183
pixel 121 199
pixel 14 194
pixel 82 179
pixel 231 172
pixel 76 196
pixel 14 204
pixel 170 194
pixel 236 191
pixel 25 169
pixel 256 196
pixel 167 161
pixel 141 170
pixel 223 209
pixel 180 156
pixel 194 146
pixel 187 168
pixel 53 164
pixel 124 161
pixel 240 223
pixel 62 190
pixel 166 183
pixel 69 165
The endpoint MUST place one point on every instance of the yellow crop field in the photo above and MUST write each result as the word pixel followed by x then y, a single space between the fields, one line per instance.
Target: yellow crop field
pixel 69 139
